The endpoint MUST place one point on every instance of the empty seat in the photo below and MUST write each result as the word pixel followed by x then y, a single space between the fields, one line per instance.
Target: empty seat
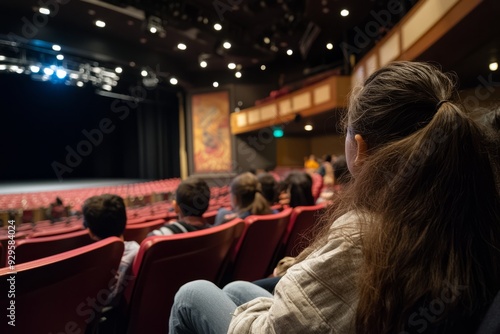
pixel 165 263
pixel 52 294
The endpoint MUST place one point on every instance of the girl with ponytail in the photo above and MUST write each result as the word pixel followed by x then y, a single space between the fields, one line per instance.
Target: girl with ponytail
pixel 246 199
pixel 412 245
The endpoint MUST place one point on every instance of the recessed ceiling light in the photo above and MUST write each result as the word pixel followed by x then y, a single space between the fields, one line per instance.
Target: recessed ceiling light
pixel 289 52
pixel 118 70
pixel 3 67
pixel 34 68
pixel 74 75
pixel 493 66
pixel 107 87
pixel 203 64
pixel 217 26
pixel 79 84
pixel 215 84
pixel 181 46
pixel 153 30
pixel 44 11
pixel 48 71
pixel 344 12
pixel 173 81
pixel 144 73
pixel 60 57
pixel 100 24
pixel 308 127
pixel 263 67
pixel 61 74
pixel 56 47
pixel 267 40
pixel 231 66
pixel 329 46
pixel 226 45
pixel 237 74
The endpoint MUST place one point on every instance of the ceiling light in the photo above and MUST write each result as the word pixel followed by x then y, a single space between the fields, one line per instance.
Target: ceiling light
pixel 144 73
pixel 118 70
pixel 44 11
pixel 215 84
pixel 308 127
pixel 14 68
pixel 153 30
pixel 106 87
pixel 100 24
pixel 3 67
pixel 61 74
pixel 79 84
pixel 60 57
pixel 231 66
pixel 237 74
pixel 34 69
pixel 344 12
pixel 494 66
pixel 267 40
pixel 173 81
pixel 74 76
pixel 289 52
pixel 19 70
pixel 217 26
pixel 56 47
pixel 329 46
pixel 2 57
pixel 203 64
pixel 274 48
pixel 48 71
pixel 263 67
pixel 226 45
pixel 181 46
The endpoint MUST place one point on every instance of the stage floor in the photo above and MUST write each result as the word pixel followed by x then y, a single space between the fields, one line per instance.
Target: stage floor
pixel 38 186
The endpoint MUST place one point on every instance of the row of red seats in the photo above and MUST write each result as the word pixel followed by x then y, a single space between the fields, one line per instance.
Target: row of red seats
pixel 235 250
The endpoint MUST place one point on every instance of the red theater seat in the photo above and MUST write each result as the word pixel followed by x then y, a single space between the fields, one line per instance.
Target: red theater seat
pixel 165 263
pixel 37 248
pixel 52 294
pixel 138 232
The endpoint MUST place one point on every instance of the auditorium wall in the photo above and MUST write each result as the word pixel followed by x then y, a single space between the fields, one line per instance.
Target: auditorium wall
pixel 291 151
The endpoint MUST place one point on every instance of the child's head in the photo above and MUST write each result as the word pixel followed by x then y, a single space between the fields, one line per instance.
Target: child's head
pixel 246 195
pixel 299 188
pixel 192 197
pixel 340 171
pixel 105 216
pixel 269 187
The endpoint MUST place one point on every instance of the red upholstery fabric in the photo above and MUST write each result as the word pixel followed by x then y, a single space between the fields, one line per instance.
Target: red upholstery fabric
pixel 52 294
pixel 259 243
pixel 138 232
pixel 34 249
pixel 165 263
pixel 210 216
pixel 52 231
pixel 317 185
pixel 301 228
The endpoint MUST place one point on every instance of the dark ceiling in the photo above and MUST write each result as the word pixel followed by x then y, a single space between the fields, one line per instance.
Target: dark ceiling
pixel 260 33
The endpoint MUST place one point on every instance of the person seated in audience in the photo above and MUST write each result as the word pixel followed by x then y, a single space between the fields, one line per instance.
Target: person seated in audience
pixel 56 210
pixel 414 245
pixel 269 188
pixel 105 216
pixel 326 169
pixel 246 199
pixel 296 190
pixel 310 163
pixel 341 177
pixel 191 201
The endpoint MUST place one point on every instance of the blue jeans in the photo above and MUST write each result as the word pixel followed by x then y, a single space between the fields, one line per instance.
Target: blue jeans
pixel 201 307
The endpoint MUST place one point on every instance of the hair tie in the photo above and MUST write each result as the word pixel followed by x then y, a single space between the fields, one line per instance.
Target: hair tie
pixel 440 103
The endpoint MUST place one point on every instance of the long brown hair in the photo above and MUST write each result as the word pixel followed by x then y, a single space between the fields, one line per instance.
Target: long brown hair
pixel 247 192
pixel 432 236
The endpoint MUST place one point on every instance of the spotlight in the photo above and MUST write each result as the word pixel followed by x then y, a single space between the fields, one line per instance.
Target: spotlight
pixel 181 46
pixel 217 26
pixel 237 74
pixel 60 57
pixel 118 70
pixel 215 84
pixel 231 66
pixel 34 69
pixel 329 46
pixel 79 84
pixel 44 11
pixel 263 67
pixel 203 64
pixel 144 73
pixel 226 45
pixel 289 52
pixel 56 48
pixel 173 81
pixel 153 30
pixel 48 71
pixel 100 24
pixel 344 12
pixel 493 66
pixel 61 74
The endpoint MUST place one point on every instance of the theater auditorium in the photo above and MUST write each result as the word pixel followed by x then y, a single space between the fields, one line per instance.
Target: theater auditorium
pixel 249 166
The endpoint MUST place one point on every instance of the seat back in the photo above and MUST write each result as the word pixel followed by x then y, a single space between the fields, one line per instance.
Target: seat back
pixel 139 231
pixel 55 230
pixel 165 263
pixel 301 228
pixel 259 243
pixel 52 294
pixel 34 249
pixel 210 216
